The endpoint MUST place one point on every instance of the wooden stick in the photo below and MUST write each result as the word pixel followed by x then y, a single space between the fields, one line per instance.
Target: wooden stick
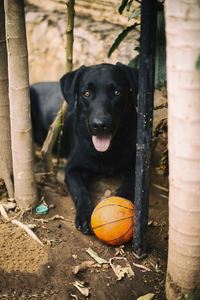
pixel 69 35
pixel 54 128
pixel 50 141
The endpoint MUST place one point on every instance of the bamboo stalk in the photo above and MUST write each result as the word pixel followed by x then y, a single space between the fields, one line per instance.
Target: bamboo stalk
pixel 54 129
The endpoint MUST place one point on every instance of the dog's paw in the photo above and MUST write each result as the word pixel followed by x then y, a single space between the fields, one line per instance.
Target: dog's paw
pixel 83 220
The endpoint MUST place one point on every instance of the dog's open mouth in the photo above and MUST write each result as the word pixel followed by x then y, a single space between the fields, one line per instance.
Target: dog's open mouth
pixel 101 142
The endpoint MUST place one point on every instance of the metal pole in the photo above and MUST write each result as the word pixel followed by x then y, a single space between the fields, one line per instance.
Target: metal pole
pixel 145 120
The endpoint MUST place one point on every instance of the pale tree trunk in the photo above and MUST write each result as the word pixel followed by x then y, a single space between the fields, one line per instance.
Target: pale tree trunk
pixel 21 132
pixel 5 145
pixel 183 48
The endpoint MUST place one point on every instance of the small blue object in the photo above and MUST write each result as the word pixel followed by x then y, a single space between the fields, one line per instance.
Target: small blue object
pixel 41 210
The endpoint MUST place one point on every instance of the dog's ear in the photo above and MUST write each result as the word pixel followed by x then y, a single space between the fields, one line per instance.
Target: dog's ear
pixel 131 74
pixel 68 84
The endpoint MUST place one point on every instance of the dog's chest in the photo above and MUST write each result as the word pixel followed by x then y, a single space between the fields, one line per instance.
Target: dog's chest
pixel 116 161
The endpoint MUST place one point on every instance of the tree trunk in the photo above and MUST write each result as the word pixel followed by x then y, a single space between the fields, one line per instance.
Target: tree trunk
pixel 5 145
pixel 183 48
pixel 21 132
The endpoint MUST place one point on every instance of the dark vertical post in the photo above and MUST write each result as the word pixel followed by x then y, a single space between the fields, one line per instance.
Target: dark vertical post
pixel 145 120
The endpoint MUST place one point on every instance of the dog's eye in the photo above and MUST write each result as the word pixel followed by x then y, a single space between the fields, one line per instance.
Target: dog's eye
pixel 86 94
pixel 117 93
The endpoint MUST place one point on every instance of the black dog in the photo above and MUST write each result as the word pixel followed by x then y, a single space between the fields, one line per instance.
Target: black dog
pixel 99 134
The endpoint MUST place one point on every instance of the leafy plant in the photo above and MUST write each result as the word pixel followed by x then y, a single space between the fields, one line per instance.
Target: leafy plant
pixel 120 38
pixel 187 297
pixel 198 63
pixel 160 64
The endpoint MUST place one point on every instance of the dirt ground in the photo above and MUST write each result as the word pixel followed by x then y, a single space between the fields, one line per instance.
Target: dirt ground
pixel 31 271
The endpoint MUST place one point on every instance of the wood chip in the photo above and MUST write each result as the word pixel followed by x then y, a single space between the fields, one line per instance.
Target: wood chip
pixel 3 212
pixel 82 289
pixel 84 265
pixel 142 267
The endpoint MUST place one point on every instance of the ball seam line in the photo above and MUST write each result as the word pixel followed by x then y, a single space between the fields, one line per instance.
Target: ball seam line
pixel 132 209
pixel 119 236
pixel 112 222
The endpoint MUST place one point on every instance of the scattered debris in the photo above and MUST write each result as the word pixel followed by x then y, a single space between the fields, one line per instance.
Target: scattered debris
pixel 29 231
pixel 155 264
pixel 156 224
pixel 119 270
pixel 119 250
pixel 146 297
pixel 42 210
pixel 32 226
pixel 82 289
pixel 161 187
pixel 84 265
pixel 23 226
pixel 107 193
pixel 96 257
pixel 11 200
pixel 44 173
pixel 9 205
pixel 3 212
pixel 74 296
pixel 164 196
pixel 56 217
pixel 153 223
pixel 48 242
pixel 142 267
pixel 52 206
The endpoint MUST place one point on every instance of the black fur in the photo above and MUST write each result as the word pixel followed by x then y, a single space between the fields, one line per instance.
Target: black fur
pixel 101 102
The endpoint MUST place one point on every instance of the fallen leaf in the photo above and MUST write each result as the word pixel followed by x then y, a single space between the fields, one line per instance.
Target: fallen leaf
pixel 82 289
pixel 94 255
pixel 119 270
pixel 84 265
pixel 146 297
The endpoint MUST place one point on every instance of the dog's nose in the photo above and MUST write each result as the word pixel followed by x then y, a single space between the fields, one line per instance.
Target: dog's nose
pixel 100 126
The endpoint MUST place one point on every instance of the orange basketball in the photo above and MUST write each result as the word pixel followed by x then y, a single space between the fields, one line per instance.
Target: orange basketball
pixel 112 220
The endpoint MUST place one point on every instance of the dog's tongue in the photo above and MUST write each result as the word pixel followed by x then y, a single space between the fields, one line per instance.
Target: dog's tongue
pixel 101 142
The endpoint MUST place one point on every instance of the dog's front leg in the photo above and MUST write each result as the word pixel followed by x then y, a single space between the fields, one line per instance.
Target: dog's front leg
pixel 127 187
pixel 78 186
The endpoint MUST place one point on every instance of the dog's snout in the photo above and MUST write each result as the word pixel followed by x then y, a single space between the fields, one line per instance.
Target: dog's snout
pixel 100 126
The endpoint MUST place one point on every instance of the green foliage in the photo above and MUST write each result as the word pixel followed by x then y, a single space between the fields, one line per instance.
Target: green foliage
pixel 193 293
pixel 120 38
pixel 160 60
pixel 134 63
pixel 135 13
pixel 160 63
pixel 198 63
pixel 60 133
pixel 125 3
pixel 122 6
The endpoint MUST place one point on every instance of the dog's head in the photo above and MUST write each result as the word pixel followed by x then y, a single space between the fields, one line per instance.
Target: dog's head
pixel 102 94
